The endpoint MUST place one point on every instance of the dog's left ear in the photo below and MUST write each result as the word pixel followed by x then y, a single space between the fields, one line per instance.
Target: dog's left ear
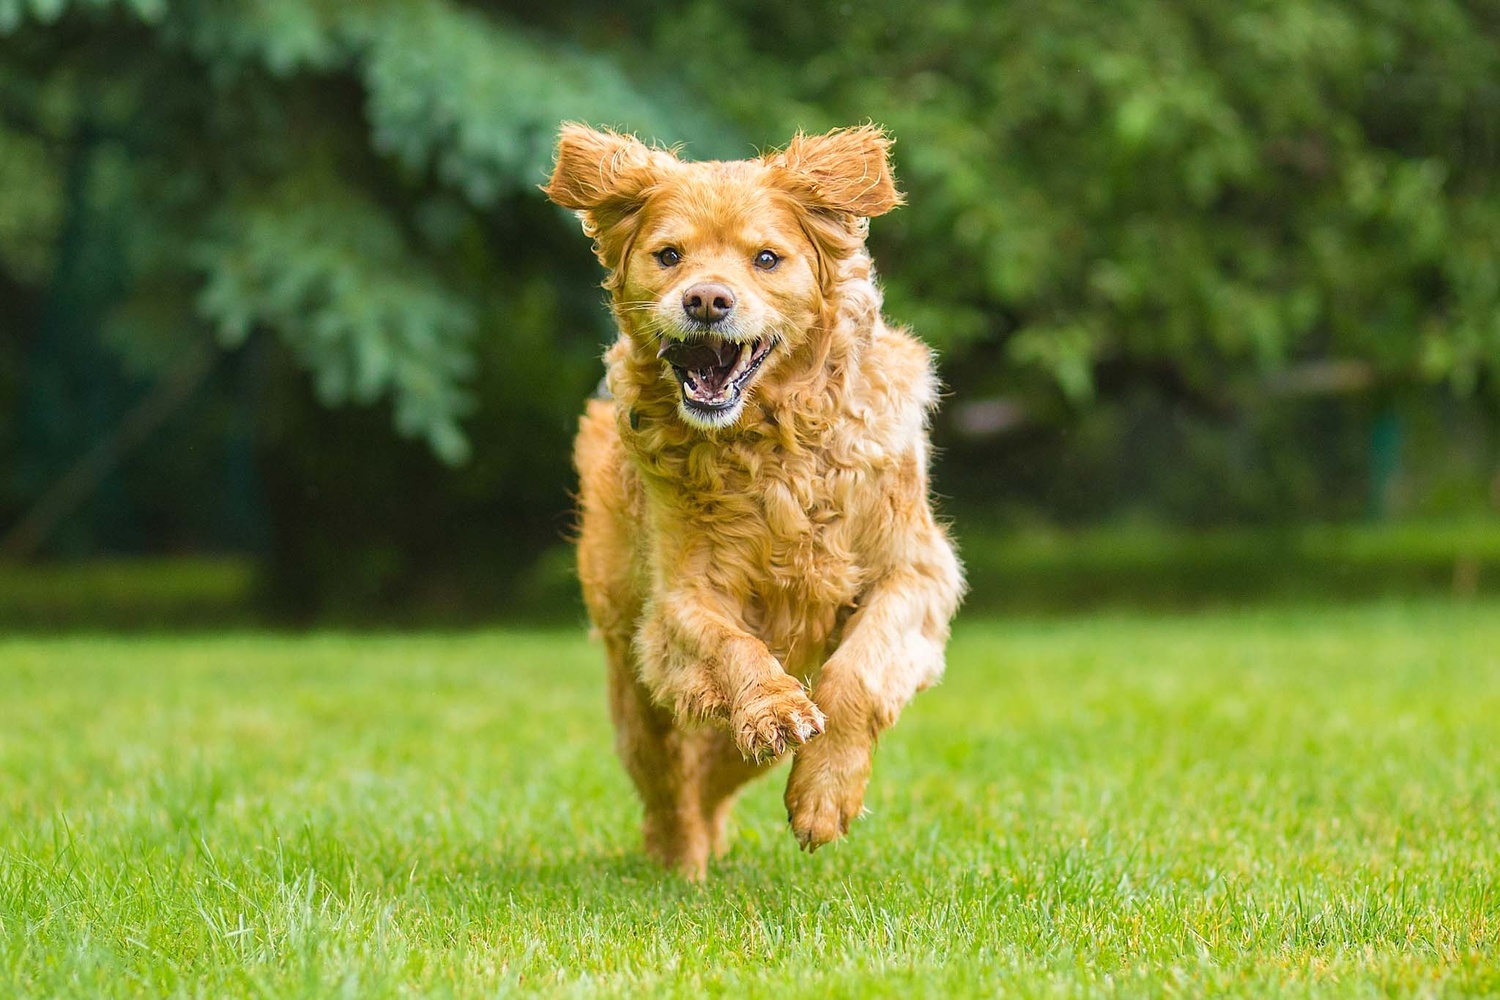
pixel 846 170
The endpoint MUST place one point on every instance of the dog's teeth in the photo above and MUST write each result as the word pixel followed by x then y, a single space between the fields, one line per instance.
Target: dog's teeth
pixel 743 361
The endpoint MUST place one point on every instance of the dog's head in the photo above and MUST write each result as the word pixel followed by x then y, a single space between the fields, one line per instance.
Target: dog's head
pixel 721 269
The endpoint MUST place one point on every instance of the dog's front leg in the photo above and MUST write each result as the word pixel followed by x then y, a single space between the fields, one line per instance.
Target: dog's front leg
pixel 893 648
pixel 696 659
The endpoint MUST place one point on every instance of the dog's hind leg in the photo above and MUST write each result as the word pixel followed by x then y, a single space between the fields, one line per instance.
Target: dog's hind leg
pixel 723 771
pixel 666 764
pixel 662 760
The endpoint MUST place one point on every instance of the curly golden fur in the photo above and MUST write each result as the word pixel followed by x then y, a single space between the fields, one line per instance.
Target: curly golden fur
pixel 754 494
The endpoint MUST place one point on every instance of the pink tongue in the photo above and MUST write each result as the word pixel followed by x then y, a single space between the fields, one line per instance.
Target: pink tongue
pixel 699 355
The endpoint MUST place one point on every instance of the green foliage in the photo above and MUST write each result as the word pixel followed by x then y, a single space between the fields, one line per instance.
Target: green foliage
pixel 13 13
pixel 452 91
pixel 355 225
pixel 30 208
pixel 1126 219
pixel 332 275
pixel 1299 803
pixel 1224 188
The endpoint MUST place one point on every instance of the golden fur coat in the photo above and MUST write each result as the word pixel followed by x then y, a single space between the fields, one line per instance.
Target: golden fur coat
pixel 783 534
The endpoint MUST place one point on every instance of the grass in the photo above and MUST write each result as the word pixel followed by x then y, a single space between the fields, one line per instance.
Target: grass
pixel 1287 802
pixel 1144 567
pixel 1033 570
pixel 135 593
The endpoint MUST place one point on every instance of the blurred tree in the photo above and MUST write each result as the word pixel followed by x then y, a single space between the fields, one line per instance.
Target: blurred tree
pixel 1175 208
pixel 349 188
pixel 1205 188
pixel 326 171
pixel 1196 200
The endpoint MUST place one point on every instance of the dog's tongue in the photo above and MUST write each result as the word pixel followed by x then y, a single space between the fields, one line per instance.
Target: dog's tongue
pixel 699 355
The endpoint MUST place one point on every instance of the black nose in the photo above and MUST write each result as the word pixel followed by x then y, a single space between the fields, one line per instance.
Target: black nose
pixel 708 301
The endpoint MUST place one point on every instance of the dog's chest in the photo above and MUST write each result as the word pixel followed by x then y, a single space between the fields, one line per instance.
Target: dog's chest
pixel 783 534
pixel 813 571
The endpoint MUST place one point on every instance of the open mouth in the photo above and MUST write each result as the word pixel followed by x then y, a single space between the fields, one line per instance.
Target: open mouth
pixel 712 370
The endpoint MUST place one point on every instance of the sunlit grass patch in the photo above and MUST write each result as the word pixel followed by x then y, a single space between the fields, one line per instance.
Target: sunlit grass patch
pixel 1274 803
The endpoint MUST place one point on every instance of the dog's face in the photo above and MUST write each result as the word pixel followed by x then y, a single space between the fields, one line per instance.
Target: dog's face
pixel 721 269
pixel 724 281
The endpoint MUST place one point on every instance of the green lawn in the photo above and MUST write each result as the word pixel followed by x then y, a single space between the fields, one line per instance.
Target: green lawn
pixel 1296 802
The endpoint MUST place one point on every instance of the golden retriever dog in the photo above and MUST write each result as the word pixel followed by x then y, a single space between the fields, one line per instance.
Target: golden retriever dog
pixel 757 546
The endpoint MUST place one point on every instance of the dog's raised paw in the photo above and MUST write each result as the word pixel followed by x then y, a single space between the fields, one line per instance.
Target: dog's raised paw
pixel 775 718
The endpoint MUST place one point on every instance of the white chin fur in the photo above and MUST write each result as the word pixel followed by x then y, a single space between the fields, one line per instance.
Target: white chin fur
pixel 710 421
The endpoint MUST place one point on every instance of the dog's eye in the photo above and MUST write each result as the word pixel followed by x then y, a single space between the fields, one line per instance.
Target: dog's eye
pixel 668 257
pixel 766 260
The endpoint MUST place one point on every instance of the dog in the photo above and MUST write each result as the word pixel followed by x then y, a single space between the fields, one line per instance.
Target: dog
pixel 753 485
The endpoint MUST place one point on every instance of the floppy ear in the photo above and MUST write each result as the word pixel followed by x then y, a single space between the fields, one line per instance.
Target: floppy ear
pixel 846 170
pixel 597 167
pixel 603 176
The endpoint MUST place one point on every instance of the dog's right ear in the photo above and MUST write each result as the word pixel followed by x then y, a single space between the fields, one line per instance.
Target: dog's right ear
pixel 603 176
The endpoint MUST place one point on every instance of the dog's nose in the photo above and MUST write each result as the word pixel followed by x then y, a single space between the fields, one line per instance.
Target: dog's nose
pixel 708 301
